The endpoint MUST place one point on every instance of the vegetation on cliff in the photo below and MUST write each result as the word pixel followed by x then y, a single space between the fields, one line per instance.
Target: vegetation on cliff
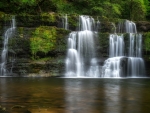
pixel 43 40
pixel 128 9
pixel 40 35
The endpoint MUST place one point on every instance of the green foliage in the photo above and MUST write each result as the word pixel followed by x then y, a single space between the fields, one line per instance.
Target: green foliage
pixel 111 10
pixel 50 17
pixel 138 7
pixel 103 39
pixel 43 40
pixel 2 15
pixel 134 10
pixel 147 6
pixel 147 41
pixel 127 9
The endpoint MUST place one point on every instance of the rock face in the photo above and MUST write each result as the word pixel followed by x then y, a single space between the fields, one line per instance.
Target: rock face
pixel 143 26
pixel 24 59
pixel 33 60
pixel 28 56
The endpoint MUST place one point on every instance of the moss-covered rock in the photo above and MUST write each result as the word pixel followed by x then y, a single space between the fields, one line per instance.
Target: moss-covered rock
pixel 21 50
pixel 43 39
pixel 44 19
pixel 103 39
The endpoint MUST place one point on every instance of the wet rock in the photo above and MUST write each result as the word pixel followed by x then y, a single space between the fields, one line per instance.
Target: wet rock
pixel 3 110
pixel 143 26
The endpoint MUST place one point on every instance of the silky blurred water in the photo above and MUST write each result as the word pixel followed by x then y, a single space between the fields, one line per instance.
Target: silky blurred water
pixel 75 95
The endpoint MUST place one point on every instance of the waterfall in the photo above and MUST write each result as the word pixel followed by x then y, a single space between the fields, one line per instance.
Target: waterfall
pixel 126 27
pixel 9 32
pixel 65 22
pixel 136 67
pixel 114 27
pixel 112 67
pixel 135 45
pixel 125 56
pixel 81 59
pixel 115 66
pixel 116 45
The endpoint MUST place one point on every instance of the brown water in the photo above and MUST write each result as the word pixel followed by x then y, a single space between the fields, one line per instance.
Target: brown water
pixel 68 95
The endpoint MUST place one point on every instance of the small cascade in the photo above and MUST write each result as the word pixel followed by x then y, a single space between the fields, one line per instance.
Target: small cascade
pixel 114 27
pixel 113 67
pixel 126 27
pixel 135 62
pixel 81 61
pixel 65 22
pixel 98 25
pixel 134 67
pixel 135 45
pixel 9 32
pixel 116 45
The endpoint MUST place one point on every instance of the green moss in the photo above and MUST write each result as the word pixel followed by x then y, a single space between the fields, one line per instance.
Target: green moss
pixel 103 39
pixel 19 43
pixel 147 41
pixel 43 40
pixel 5 17
pixel 73 21
pixel 50 17
pixel 61 40
pixel 2 15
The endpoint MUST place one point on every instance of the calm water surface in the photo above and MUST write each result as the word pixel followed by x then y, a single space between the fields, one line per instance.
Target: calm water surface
pixel 70 95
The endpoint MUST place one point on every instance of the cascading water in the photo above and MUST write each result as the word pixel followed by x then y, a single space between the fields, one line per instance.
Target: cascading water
pixel 136 65
pixel 125 57
pixel 81 59
pixel 9 32
pixel 65 22
pixel 126 27
pixel 113 66
pixel 116 45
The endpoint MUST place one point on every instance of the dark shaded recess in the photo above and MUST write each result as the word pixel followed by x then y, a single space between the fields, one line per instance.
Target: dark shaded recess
pixel 33 21
pixel 143 26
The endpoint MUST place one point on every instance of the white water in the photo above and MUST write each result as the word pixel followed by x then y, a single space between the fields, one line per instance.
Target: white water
pixel 135 45
pixel 65 22
pixel 125 59
pixel 81 61
pixel 9 32
pixel 126 27
pixel 116 45
pixel 135 64
pixel 136 67
pixel 112 67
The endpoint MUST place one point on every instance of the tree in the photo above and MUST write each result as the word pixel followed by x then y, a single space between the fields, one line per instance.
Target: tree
pixel 147 5
pixel 134 10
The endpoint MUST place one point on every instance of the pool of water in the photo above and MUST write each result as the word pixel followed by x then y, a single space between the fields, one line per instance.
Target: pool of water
pixel 75 95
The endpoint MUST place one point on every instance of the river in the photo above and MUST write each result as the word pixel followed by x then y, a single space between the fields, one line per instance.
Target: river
pixel 75 95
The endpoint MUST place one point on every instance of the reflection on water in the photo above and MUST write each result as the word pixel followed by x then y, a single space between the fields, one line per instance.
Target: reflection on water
pixel 61 95
pixel 80 96
pixel 112 97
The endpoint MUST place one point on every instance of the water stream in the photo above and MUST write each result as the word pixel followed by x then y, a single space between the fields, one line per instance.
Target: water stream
pixel 8 34
pixel 81 59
